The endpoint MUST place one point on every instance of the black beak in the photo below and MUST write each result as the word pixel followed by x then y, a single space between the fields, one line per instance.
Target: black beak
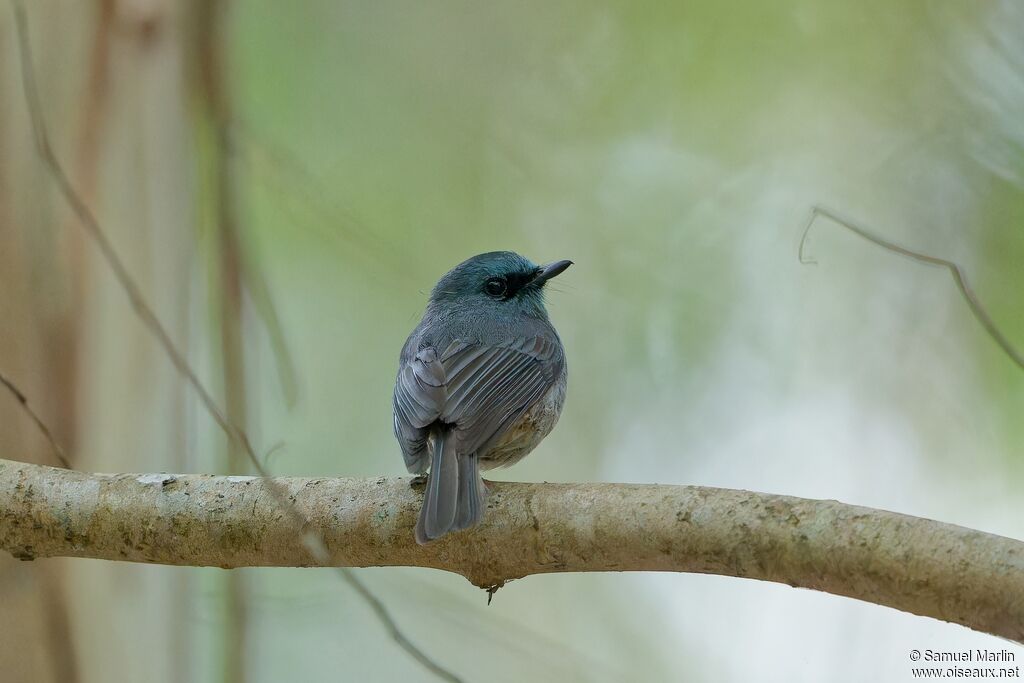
pixel 549 271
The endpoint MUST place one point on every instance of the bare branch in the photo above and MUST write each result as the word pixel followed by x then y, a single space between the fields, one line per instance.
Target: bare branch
pixel 916 565
pixel 283 173
pixel 313 544
pixel 22 400
pixel 979 311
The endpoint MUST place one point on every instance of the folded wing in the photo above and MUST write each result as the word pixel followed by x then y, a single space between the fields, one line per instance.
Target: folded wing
pixel 480 390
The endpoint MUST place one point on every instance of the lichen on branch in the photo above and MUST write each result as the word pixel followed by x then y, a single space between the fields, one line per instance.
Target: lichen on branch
pixel 916 565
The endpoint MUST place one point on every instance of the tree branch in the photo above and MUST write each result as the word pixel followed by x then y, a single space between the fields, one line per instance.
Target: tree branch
pixel 980 313
pixel 22 400
pixel 911 564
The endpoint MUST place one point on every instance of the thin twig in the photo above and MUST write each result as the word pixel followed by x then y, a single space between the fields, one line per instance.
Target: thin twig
pixel 313 543
pixel 58 452
pixel 110 256
pixel 396 633
pixel 977 309
pixel 278 172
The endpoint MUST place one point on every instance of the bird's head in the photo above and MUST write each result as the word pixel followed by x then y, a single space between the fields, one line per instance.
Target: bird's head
pixel 498 280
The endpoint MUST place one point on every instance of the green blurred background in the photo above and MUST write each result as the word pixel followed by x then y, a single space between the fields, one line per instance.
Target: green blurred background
pixel 287 181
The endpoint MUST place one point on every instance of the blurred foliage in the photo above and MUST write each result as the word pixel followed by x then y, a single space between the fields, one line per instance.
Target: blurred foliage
pixel 673 151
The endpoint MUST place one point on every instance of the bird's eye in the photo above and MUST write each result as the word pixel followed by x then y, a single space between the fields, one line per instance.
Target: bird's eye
pixel 496 286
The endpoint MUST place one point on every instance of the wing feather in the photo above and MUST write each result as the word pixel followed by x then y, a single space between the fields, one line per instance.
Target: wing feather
pixel 481 390
pixel 418 400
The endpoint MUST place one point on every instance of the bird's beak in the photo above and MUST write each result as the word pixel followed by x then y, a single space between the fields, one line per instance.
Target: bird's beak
pixel 549 271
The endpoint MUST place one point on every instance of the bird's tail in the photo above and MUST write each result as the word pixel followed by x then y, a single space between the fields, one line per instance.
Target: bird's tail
pixel 472 494
pixel 455 494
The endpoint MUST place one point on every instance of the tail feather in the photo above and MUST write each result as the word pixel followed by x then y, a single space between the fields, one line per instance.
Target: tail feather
pixel 472 495
pixel 455 496
pixel 440 500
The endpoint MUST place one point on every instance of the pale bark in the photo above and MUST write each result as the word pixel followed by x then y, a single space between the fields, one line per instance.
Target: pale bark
pixel 912 564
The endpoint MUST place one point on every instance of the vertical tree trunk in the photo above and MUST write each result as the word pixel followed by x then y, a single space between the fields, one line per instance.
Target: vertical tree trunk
pixel 214 93
pixel 37 351
pixel 128 395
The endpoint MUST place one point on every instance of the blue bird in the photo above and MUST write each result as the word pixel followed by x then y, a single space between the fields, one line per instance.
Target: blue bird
pixel 481 381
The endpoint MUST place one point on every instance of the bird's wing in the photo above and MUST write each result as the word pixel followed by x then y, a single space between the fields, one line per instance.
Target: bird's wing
pixel 490 387
pixel 418 401
pixel 479 389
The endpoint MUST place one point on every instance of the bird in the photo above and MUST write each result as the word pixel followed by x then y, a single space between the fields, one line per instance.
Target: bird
pixel 481 381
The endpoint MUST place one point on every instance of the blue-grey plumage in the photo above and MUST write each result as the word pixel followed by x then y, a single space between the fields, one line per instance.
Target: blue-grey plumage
pixel 481 381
